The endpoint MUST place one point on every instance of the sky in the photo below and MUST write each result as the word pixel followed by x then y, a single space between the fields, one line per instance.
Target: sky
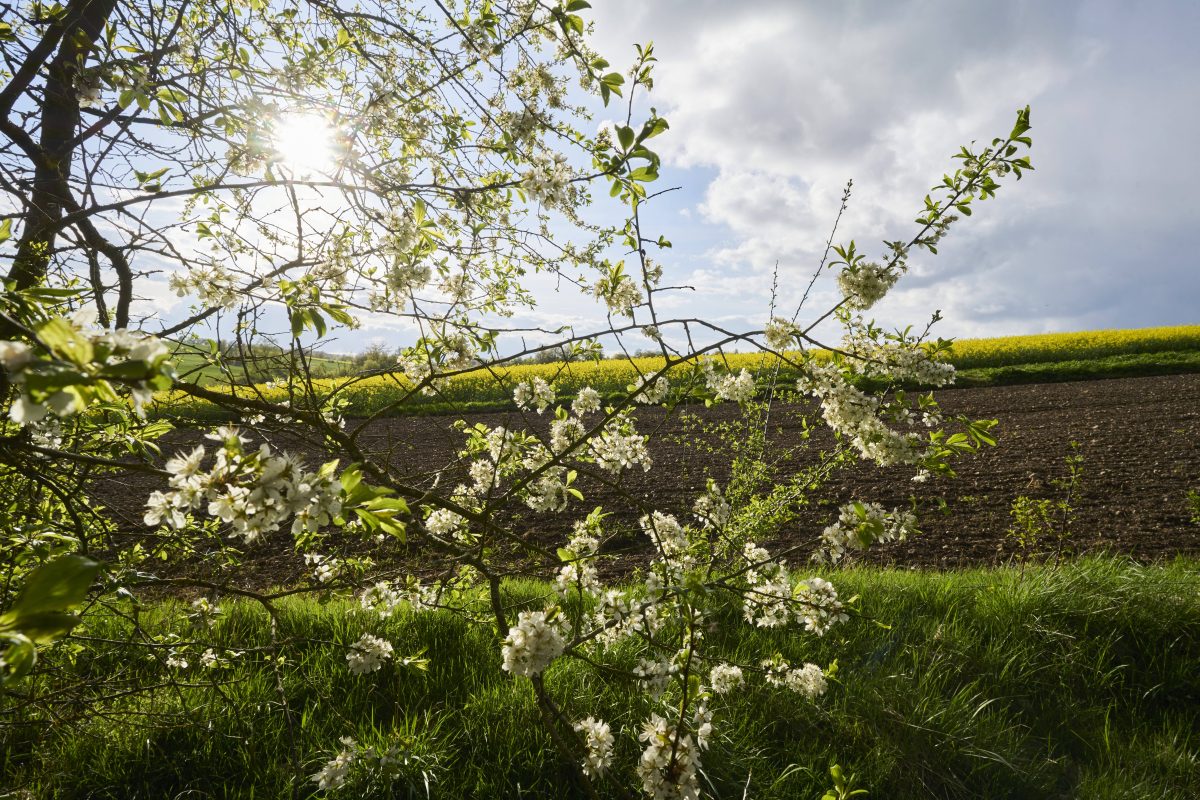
pixel 775 104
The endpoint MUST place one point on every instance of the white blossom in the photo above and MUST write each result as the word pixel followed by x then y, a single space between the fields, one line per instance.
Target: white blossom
pixel 598 739
pixel 368 654
pixel 859 525
pixel 548 180
pixel 820 604
pixel 254 491
pixel 620 446
pixel 15 355
pixel 535 641
pixel 724 678
pixel 711 508
pixel 780 334
pixel 808 680
pixel 536 393
pixel 865 284
pixel 650 390
pixel 669 763
pixel 564 433
pixel 855 415
pixel 621 294
pixel 333 775
pixel 325 568
pixel 739 388
pixel 586 402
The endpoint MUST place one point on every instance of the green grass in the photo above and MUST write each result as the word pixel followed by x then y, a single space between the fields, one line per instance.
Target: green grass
pixel 196 368
pixel 1114 366
pixel 1077 683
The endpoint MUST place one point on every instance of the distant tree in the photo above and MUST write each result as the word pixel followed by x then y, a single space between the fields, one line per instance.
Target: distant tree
pixel 376 358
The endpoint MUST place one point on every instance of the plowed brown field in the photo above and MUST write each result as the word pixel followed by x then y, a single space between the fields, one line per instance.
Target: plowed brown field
pixel 1139 438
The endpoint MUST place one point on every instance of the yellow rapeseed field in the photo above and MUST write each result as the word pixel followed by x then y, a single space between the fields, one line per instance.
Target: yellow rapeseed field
pixel 1047 347
pixel 494 386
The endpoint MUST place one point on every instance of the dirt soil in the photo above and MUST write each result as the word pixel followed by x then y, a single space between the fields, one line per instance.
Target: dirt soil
pixel 1139 439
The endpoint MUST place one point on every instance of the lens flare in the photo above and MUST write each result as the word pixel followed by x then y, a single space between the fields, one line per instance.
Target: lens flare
pixel 306 144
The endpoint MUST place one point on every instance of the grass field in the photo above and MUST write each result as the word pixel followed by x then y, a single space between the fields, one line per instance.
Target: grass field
pixel 199 369
pixel 981 362
pixel 1080 682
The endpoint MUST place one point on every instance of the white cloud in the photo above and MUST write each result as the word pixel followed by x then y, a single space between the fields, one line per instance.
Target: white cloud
pixel 781 102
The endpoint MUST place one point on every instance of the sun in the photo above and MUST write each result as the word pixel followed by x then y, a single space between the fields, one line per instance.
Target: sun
pixel 305 143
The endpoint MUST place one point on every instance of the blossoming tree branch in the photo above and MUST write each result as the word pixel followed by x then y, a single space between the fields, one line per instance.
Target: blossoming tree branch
pixel 293 169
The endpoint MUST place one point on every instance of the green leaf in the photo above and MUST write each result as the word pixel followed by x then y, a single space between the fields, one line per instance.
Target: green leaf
pixel 46 626
pixel 644 174
pixel 625 136
pixel 57 585
pixel 578 5
pixel 5 230
pixel 613 80
pixel 653 128
pixel 20 657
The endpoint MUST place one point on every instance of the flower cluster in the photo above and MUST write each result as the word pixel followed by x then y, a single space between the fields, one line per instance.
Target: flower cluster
pixel 901 360
pixel 855 415
pixel 204 611
pixel 381 764
pixel 649 390
pixel 580 571
pixel 211 659
pixel 586 402
pixel 406 277
pixel 325 568
pixel 669 537
pixel 739 388
pixel 447 524
pixel 618 617
pixel 808 680
pixel 781 334
pixel 821 609
pixel 619 446
pixel 724 678
pixel 669 763
pixel 368 654
pixel 598 740
pixel 772 601
pixel 565 432
pixel 768 600
pixel 535 641
pixel 385 598
pixel 711 508
pixel 536 393
pixel 859 525
pixel 619 293
pixel 335 772
pixel 211 284
pixel 655 676
pixel 548 180
pixel 865 283
pixel 253 491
